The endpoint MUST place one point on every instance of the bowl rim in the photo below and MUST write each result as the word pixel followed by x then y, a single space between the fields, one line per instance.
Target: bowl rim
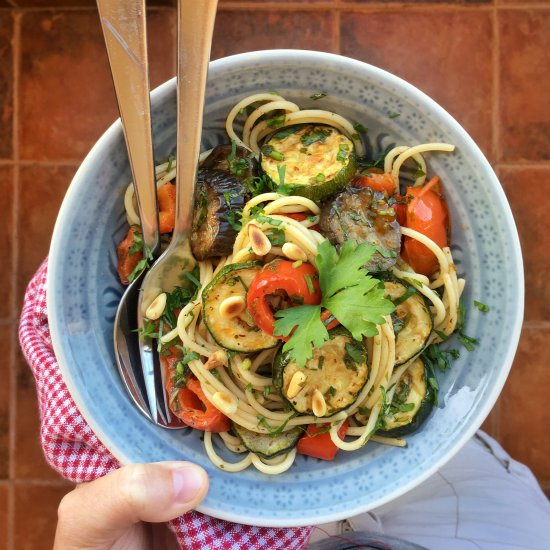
pixel 303 56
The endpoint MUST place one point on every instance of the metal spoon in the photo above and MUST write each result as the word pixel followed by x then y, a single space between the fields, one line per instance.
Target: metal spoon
pixel 195 27
pixel 125 37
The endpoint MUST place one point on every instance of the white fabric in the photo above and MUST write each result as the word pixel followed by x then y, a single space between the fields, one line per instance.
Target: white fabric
pixel 482 499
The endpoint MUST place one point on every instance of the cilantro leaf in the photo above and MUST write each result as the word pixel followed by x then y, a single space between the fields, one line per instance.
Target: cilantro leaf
pixel 311 331
pixel 339 272
pixel 355 298
pixel 351 295
pixel 360 308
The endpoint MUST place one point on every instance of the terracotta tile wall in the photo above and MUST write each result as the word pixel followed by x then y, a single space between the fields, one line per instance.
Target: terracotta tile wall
pixel 485 61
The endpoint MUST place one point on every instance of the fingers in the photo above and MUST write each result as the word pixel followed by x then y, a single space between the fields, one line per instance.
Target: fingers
pixel 100 511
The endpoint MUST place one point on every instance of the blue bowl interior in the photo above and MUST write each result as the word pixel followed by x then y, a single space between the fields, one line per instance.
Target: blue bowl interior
pixel 84 290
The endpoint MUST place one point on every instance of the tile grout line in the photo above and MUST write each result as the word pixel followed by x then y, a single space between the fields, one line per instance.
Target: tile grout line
pixel 352 7
pixel 495 128
pixel 337 28
pixel 57 8
pixel 70 163
pixel 14 272
pixel 37 483
pixel 536 325
pixel 519 165
pixel 496 87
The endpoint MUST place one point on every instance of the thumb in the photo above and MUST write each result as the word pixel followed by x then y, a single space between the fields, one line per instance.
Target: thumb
pixel 101 510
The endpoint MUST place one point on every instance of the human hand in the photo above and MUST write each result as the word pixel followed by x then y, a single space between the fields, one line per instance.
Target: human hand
pixel 108 513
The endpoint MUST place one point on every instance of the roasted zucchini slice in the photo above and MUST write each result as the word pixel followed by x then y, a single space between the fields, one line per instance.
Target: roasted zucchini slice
pixel 238 333
pixel 338 369
pixel 268 446
pixel 318 160
pixel 412 320
pixel 411 403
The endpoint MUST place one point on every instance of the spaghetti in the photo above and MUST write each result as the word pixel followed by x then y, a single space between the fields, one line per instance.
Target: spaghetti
pixel 241 384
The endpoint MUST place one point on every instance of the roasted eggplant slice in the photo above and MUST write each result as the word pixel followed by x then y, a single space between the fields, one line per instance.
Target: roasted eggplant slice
pixel 338 370
pixel 411 403
pixel 239 332
pixel 318 160
pixel 363 215
pixel 266 445
pixel 220 194
pixel 412 320
pixel 237 160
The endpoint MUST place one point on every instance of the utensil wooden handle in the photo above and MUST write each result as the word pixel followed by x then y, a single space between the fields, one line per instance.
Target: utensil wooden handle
pixel 124 30
pixel 195 28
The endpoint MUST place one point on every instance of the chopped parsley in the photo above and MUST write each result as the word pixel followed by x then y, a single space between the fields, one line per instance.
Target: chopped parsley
pixel 285 132
pixel 282 189
pixel 355 353
pixel 393 114
pixel 237 165
pixel 439 358
pixel 177 299
pixel 268 151
pixel 259 184
pixel 377 161
pixel 359 128
pixel 315 135
pixel 467 341
pixel 276 121
pixel 419 172
pixel 318 95
pixel 405 296
pixel 309 283
pixel 170 161
pixel 142 265
pixel 137 242
pixel 342 154
pixel 234 219
pixel 192 276
pixel 267 219
pixel 484 308
pixel 274 430
pixel 276 236
pixel 149 330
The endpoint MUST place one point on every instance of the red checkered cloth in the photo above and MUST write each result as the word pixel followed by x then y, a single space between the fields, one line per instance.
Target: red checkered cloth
pixel 74 451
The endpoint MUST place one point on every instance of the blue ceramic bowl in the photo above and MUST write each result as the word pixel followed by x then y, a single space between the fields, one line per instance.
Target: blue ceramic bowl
pixel 83 290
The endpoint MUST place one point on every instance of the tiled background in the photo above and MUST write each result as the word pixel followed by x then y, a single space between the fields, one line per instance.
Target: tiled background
pixel 487 62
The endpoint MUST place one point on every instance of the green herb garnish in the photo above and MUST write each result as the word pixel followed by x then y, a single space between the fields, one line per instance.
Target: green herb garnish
pixel 318 95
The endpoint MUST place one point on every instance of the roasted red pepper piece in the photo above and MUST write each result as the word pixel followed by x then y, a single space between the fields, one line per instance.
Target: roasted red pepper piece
pixel 300 283
pixel 384 182
pixel 321 445
pixel 193 408
pixel 300 216
pixel 426 213
pixel 127 261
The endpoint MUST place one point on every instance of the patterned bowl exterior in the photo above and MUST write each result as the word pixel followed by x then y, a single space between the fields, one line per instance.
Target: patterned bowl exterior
pixel 84 290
